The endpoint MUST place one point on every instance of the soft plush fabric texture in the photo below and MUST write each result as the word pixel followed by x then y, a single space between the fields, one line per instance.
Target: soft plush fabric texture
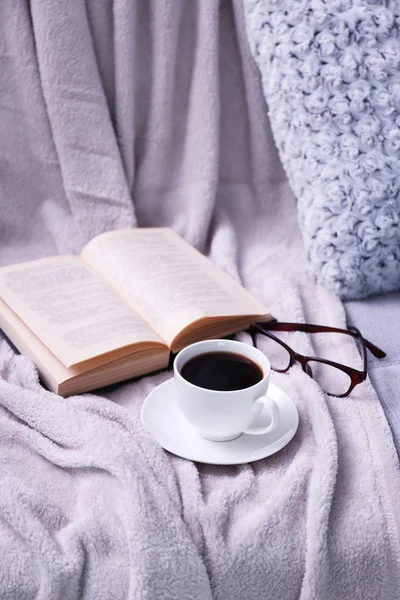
pixel 331 76
pixel 379 317
pixel 151 113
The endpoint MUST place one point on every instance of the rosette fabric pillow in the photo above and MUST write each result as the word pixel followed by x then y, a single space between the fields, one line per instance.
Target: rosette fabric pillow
pixel 331 76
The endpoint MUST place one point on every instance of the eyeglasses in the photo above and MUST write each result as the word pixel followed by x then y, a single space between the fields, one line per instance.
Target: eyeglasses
pixel 334 378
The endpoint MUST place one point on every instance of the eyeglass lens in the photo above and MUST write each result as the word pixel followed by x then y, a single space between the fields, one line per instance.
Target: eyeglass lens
pixel 277 355
pixel 332 380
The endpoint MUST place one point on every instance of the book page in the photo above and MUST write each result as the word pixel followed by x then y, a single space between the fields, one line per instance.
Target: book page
pixel 166 280
pixel 71 309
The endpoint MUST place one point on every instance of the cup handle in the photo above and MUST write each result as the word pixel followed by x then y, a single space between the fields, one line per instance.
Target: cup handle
pixel 274 412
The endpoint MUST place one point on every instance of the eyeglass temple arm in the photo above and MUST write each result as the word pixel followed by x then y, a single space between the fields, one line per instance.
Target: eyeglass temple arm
pixel 309 328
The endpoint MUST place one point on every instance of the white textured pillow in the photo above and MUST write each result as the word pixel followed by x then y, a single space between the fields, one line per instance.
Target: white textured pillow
pixel 331 77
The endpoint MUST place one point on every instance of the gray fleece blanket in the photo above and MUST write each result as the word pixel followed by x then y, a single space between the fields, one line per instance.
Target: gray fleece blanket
pixel 136 113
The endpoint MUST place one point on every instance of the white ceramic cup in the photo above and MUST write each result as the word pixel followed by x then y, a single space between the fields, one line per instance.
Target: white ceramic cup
pixel 224 415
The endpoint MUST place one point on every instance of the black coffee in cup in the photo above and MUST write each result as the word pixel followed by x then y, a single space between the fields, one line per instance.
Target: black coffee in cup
pixel 222 371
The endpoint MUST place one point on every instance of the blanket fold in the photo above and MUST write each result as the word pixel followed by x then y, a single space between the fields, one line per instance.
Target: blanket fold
pixel 89 158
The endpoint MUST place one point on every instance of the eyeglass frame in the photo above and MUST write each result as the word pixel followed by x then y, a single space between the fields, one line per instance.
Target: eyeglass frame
pixel 355 375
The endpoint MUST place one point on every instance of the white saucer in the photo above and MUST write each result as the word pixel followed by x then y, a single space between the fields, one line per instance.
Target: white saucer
pixel 162 418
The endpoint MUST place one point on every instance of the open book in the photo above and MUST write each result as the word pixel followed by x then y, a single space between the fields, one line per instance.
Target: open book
pixel 119 309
